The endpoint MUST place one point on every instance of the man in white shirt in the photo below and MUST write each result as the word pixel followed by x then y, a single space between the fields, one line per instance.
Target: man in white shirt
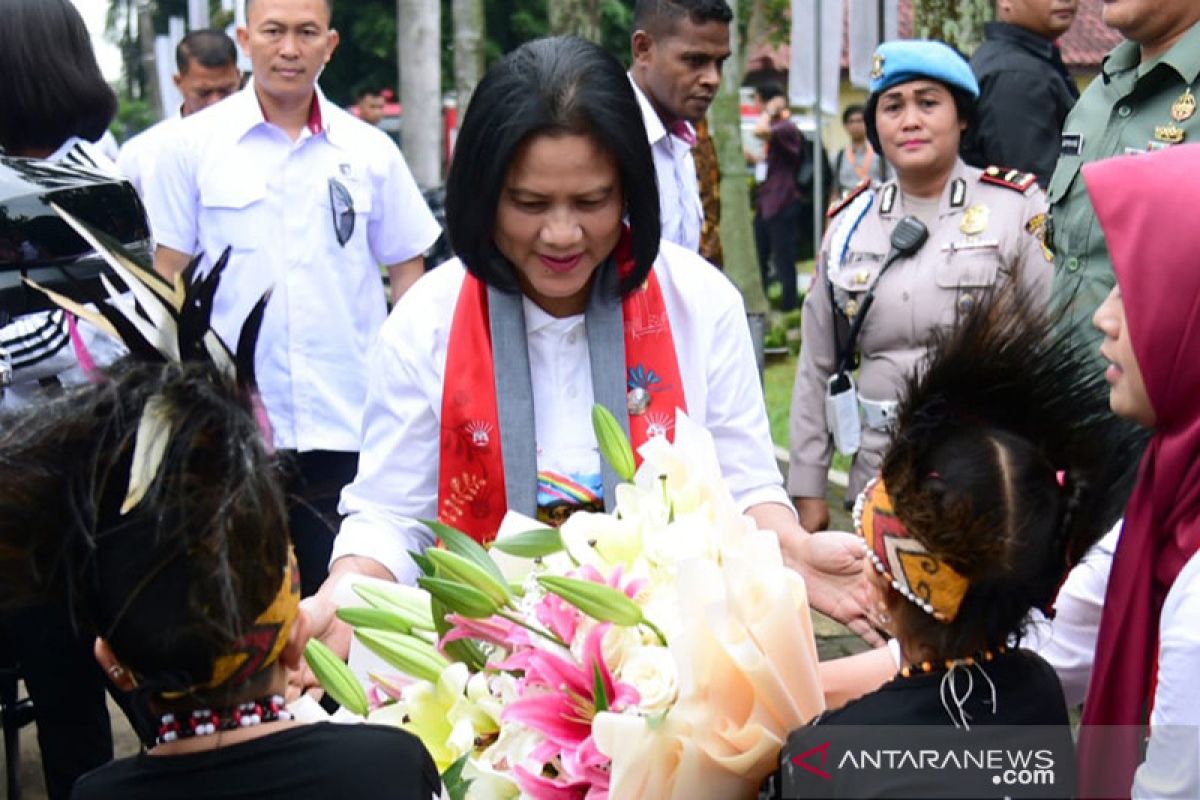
pixel 311 202
pixel 208 73
pixel 679 47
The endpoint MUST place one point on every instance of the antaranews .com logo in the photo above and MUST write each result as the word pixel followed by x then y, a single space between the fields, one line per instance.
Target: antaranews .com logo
pixel 929 762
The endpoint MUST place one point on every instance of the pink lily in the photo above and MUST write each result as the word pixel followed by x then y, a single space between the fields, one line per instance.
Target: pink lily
pixel 560 703
pixel 495 630
pixel 540 787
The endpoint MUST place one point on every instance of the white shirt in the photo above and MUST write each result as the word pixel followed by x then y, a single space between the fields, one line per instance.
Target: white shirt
pixel 139 156
pixel 397 478
pixel 678 187
pixel 232 179
pixel 1172 765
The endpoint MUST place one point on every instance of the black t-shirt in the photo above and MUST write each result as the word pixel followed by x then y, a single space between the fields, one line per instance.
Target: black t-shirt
pixel 1030 713
pixel 319 761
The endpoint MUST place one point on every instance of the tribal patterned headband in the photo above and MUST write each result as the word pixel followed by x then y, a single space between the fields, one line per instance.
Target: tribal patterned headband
pixel 259 647
pixel 922 577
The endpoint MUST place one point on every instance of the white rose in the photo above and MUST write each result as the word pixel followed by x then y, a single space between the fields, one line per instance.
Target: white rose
pixel 651 670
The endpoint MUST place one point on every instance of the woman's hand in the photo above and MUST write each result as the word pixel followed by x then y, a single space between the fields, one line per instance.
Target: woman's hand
pixel 323 622
pixel 814 513
pixel 831 563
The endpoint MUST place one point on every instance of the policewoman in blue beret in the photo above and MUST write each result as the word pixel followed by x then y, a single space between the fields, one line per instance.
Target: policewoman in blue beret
pixel 901 260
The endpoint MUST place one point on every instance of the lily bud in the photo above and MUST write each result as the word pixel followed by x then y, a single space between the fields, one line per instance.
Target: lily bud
pixel 410 655
pixel 600 602
pixel 531 544
pixel 409 603
pixel 614 444
pixel 459 597
pixel 336 677
pixel 374 618
pixel 453 566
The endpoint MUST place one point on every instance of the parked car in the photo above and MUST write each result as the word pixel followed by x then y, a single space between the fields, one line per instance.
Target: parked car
pixel 36 243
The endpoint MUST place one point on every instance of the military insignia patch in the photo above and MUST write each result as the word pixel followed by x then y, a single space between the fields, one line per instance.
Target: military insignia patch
pixel 975 220
pixel 1184 107
pixel 1013 179
pixel 837 205
pixel 1036 227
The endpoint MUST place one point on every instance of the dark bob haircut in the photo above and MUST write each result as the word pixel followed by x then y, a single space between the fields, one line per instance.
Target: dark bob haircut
pixel 52 88
pixel 548 87
pixel 964 104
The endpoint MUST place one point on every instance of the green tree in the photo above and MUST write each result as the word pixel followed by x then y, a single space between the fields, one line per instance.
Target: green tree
pixel 958 23
pixel 577 17
pixel 737 225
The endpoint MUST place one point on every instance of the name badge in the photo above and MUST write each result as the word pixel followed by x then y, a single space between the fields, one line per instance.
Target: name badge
pixel 1072 144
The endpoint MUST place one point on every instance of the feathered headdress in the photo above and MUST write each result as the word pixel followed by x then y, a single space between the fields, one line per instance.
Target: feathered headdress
pixel 160 320
pixel 1008 373
pixel 158 562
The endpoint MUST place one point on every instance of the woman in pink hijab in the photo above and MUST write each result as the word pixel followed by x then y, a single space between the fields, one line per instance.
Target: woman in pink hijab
pixel 1147 666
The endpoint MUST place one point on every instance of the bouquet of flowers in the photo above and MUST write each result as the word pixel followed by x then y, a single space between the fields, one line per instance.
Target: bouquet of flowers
pixel 660 651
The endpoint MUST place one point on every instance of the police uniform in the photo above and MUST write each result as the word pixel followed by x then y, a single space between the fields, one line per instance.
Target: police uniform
pixel 986 231
pixel 1129 108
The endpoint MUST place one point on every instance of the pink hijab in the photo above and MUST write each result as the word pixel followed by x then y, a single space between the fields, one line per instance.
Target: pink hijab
pixel 1149 209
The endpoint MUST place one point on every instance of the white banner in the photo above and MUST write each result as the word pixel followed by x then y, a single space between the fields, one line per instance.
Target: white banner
pixel 197 14
pixel 864 35
pixel 164 60
pixel 807 38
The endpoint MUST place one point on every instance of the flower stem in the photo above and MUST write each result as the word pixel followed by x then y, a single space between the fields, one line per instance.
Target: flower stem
pixel 657 632
pixel 544 634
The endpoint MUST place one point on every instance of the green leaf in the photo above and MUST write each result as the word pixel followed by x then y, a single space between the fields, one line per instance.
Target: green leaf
pixel 423 563
pixel 374 618
pixel 601 693
pixel 461 544
pixel 335 677
pixel 614 444
pixel 452 779
pixel 531 544
pixel 600 602
pixel 459 597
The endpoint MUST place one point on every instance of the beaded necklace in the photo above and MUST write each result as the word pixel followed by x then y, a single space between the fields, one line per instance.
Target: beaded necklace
pixel 208 721
pixel 954 698
pixel 925 667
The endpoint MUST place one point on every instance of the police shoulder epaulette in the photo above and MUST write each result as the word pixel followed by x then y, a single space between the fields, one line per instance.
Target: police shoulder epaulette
pixel 836 206
pixel 1013 179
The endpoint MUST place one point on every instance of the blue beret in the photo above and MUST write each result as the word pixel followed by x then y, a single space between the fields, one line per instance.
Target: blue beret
pixel 913 59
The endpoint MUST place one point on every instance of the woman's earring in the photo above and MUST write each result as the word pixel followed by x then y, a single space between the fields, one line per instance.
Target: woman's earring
pixel 116 672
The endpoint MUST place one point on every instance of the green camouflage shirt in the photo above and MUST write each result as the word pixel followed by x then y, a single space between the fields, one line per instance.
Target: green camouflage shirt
pixel 1129 108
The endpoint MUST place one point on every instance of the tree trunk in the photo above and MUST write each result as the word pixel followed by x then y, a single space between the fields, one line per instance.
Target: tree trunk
pixel 420 88
pixel 737 222
pixel 468 50
pixel 575 17
pixel 958 23
pixel 149 72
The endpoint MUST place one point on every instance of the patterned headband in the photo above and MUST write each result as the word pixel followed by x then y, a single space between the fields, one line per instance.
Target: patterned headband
pixel 259 647
pixel 922 577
